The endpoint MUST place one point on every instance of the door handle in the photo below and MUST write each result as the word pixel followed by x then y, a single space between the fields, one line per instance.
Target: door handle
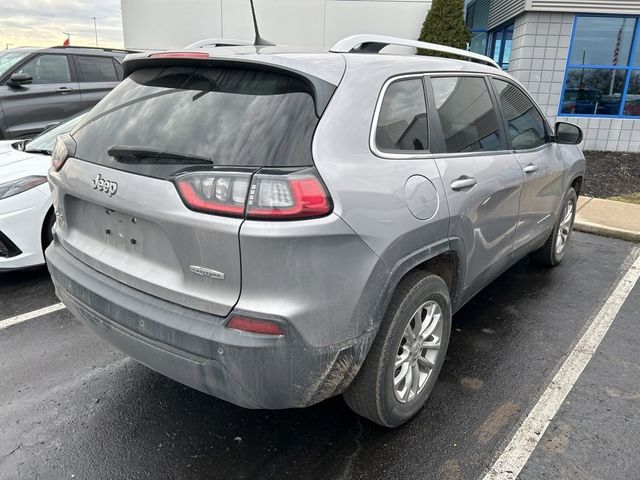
pixel 463 182
pixel 64 90
pixel 531 168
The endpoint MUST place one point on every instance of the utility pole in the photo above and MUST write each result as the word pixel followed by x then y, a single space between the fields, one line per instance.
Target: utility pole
pixel 95 28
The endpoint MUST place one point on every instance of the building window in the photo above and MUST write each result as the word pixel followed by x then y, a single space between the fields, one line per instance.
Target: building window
pixel 501 40
pixel 476 18
pixel 478 43
pixel 603 70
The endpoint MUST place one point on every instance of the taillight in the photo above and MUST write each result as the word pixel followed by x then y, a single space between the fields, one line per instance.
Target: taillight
pixel 253 325
pixel 64 148
pixel 274 195
pixel 222 193
pixel 281 197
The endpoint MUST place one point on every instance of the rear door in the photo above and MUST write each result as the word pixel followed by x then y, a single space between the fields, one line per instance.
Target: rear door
pixel 123 214
pixel 52 97
pixel 97 75
pixel 482 178
pixel 540 160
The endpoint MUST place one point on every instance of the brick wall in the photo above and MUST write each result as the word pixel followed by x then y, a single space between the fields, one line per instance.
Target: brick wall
pixel 538 59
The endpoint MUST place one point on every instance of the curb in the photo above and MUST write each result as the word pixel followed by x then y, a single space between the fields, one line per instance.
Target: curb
pixel 606 231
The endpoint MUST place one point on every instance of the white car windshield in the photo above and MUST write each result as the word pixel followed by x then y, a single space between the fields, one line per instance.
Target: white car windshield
pixel 9 58
pixel 44 142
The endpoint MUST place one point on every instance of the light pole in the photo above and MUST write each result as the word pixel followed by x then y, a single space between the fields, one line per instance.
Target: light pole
pixel 8 45
pixel 95 28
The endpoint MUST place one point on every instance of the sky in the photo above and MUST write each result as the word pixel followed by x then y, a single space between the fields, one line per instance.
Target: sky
pixel 40 23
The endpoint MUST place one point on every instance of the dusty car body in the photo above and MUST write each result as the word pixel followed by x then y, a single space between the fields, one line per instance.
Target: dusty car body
pixel 265 249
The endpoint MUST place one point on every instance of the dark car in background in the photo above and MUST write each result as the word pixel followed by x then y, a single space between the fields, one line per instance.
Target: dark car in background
pixel 41 86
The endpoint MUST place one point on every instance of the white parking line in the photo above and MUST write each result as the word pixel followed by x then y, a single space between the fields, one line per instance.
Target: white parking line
pixel 517 453
pixel 28 316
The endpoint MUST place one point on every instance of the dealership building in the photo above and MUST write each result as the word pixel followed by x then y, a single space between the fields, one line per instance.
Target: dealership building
pixel 579 59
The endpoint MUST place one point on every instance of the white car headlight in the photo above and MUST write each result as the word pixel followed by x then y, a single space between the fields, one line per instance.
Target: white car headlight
pixel 14 187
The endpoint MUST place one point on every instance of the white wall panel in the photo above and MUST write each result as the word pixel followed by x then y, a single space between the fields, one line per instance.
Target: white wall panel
pixel 285 22
pixel 396 18
pixel 163 24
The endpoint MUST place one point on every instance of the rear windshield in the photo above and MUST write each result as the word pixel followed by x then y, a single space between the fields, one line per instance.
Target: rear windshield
pixel 234 117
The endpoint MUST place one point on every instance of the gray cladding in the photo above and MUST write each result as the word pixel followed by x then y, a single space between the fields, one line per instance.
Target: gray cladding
pixel 502 11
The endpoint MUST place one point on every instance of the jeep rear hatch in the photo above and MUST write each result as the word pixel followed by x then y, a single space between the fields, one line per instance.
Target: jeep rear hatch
pixel 151 193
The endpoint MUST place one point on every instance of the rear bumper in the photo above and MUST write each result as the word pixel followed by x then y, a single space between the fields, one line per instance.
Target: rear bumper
pixel 196 349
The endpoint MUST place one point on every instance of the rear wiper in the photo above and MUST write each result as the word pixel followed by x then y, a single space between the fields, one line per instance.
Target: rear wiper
pixel 148 155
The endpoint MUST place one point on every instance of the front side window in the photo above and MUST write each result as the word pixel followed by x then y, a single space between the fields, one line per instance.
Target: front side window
pixel 525 125
pixel 48 69
pixel 467 117
pixel 402 122
pixel 96 69
pixel 603 68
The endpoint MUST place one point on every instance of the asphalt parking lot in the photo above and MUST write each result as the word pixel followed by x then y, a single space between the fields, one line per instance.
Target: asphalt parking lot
pixel 72 407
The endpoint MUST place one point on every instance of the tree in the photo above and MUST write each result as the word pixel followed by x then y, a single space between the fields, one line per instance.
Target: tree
pixel 445 25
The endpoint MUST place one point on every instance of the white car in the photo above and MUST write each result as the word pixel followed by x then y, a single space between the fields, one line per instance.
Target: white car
pixel 26 212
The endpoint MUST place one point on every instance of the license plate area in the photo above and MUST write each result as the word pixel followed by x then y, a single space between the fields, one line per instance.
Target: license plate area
pixel 121 230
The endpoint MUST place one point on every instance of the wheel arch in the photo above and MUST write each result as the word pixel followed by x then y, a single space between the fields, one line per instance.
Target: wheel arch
pixel 576 183
pixel 445 259
pixel 43 228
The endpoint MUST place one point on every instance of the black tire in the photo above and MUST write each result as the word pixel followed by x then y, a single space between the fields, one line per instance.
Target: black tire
pixel 372 394
pixel 548 254
pixel 47 226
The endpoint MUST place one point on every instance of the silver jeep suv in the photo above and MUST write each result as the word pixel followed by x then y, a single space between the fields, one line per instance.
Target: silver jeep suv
pixel 276 227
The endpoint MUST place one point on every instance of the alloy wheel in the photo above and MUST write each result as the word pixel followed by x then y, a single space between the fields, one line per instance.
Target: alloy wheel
pixel 417 352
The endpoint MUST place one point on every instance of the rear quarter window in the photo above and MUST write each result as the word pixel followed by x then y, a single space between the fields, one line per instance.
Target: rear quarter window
pixel 235 117
pixel 402 120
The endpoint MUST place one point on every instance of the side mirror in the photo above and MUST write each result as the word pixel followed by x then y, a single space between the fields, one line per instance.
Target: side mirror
pixel 20 79
pixel 568 133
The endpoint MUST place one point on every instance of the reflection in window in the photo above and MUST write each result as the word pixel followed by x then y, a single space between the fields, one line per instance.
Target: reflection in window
pixel 601 76
pixel 467 117
pixel 602 40
pixel 402 123
pixel 236 117
pixel 478 43
pixel 632 104
pixel 525 125
pixel 593 91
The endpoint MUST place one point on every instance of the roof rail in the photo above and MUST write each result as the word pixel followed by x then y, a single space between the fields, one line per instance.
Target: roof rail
pixel 375 43
pixel 104 49
pixel 218 42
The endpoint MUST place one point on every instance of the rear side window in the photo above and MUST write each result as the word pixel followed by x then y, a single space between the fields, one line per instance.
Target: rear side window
pixel 234 117
pixel 48 69
pixel 96 69
pixel 525 125
pixel 467 115
pixel 402 121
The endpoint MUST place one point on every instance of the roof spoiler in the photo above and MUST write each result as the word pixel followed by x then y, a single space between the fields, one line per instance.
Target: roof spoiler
pixel 375 43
